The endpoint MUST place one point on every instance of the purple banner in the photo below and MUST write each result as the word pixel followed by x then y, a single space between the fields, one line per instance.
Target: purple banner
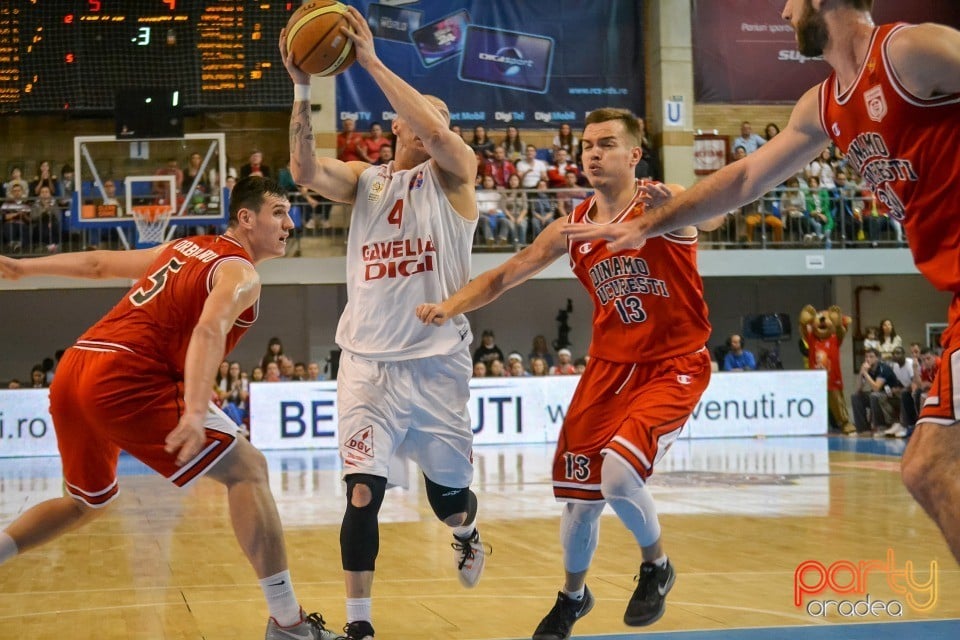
pixel 744 52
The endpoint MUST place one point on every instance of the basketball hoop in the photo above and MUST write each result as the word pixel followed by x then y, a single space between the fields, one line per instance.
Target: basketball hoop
pixel 151 221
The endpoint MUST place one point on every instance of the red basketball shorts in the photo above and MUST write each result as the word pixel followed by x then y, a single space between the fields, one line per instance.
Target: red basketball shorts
pixel 943 401
pixel 103 402
pixel 633 411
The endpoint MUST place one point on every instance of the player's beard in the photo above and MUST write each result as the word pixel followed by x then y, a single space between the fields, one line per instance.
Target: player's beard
pixel 811 32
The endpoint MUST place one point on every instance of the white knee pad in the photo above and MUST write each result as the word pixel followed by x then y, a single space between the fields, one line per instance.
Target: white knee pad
pixel 631 499
pixel 579 533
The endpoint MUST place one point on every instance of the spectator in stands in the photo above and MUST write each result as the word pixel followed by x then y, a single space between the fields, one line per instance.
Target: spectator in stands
pixel 271 373
pixel 13 384
pixel 566 140
pixel 488 351
pixel 499 167
pixel 579 366
pixel 560 167
pixel 288 370
pixel 490 207
pixel 539 349
pixel 821 169
pixel 752 215
pixel 193 171
pixel 889 340
pixel 906 371
pixel 273 354
pixel 538 367
pixel 38 380
pixel 45 220
pixel 793 205
pixel 515 365
pixel 479 370
pixel 879 220
pixel 15 217
pixel 313 372
pixel 542 209
pixel 256 375
pixel 819 211
pixel 299 372
pixel 350 143
pixel 255 166
pixel 495 369
pixel 929 364
pixel 738 358
pixel 16 177
pixel 870 340
pixel 44 177
pixel 531 169
pixel 482 145
pixel 512 144
pixel 770 130
pixel 871 394
pixel 649 165
pixel 515 208
pixel 748 139
pixel 372 143
pixel 564 366
pixel 66 185
pixel 386 155
pixel 161 189
pixel 570 196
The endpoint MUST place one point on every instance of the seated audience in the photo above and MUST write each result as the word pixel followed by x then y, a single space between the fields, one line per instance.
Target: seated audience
pixel 564 366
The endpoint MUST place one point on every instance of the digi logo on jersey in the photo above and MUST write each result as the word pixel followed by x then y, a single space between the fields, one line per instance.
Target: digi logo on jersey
pixel 398 258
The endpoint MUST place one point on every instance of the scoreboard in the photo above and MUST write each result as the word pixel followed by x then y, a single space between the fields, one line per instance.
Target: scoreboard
pixel 61 56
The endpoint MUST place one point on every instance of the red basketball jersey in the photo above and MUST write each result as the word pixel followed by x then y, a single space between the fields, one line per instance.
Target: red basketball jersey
pixel 156 318
pixel 905 147
pixel 647 303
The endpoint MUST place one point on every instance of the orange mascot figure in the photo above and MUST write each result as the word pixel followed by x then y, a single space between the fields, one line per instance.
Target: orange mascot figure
pixel 823 332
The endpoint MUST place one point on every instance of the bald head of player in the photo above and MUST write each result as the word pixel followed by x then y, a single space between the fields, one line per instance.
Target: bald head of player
pixel 410 149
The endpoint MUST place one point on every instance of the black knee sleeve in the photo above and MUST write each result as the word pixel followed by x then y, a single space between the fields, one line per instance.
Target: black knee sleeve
pixel 446 501
pixel 359 533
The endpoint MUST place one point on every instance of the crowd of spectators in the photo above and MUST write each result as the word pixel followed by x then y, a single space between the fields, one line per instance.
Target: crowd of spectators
pixel 529 186
pixel 826 203
pixel 489 361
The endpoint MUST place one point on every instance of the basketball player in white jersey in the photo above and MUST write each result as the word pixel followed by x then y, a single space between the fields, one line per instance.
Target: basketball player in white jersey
pixel 403 387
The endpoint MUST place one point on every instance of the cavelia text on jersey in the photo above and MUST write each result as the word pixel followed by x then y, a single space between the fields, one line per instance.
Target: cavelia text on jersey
pixel 398 258
pixel 853 579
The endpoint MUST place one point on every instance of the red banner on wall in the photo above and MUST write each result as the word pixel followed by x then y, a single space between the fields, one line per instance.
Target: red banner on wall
pixel 744 52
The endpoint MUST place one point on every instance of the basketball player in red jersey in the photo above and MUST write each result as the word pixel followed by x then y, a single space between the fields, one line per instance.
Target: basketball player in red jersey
pixel 892 105
pixel 648 366
pixel 139 380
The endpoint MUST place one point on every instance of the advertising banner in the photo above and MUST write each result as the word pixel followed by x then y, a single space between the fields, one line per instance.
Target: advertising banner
pixel 744 52
pixel 530 64
pixel 303 415
pixel 26 428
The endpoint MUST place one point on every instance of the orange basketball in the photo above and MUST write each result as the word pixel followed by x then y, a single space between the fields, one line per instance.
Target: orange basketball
pixel 315 41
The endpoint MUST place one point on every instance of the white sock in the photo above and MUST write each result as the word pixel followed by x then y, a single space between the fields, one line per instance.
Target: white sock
pixel 8 548
pixel 465 531
pixel 281 600
pixel 358 609
pixel 575 595
pixel 661 562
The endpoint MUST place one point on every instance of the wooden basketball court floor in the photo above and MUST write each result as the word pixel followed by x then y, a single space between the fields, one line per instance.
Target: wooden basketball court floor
pixel 738 516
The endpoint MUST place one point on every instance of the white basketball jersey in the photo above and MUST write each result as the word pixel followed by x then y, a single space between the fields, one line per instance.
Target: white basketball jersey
pixel 407 245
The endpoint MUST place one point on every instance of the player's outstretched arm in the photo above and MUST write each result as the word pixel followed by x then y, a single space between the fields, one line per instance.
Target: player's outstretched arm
pixel 926 58
pixel 90 265
pixel 447 149
pixel 488 286
pixel 236 286
pixel 729 188
pixel 329 177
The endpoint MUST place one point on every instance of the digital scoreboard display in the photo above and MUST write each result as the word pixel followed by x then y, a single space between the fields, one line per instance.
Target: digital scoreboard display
pixel 75 55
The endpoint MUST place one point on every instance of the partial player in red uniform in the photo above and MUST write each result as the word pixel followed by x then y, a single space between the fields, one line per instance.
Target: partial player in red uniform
pixel 648 366
pixel 892 105
pixel 139 380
